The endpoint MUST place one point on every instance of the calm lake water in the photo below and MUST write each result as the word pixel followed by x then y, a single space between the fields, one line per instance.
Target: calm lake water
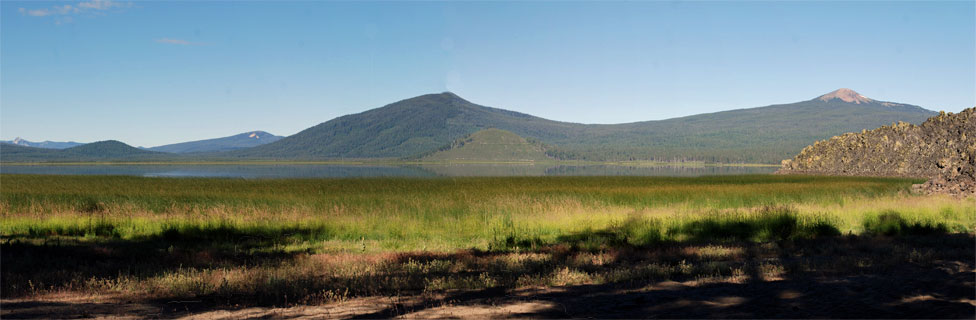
pixel 326 171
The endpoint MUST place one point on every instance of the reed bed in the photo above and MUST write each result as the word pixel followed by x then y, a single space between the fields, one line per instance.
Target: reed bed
pixel 288 241
pixel 395 214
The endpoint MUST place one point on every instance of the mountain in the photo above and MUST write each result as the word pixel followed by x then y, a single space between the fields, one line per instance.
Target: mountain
pixel 845 95
pixel 423 124
pixel 44 144
pixel 110 150
pixel 239 141
pixel 491 145
pixel 851 96
pixel 18 153
pixel 406 128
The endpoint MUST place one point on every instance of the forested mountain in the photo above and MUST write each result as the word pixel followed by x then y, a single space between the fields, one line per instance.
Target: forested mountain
pixel 762 135
pixel 110 150
pixel 402 129
pixel 422 124
pixel 238 141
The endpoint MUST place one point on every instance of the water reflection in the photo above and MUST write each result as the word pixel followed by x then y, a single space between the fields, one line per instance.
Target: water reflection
pixel 334 171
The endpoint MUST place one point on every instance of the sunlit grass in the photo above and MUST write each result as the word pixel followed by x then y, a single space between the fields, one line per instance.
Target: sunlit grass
pixel 306 241
pixel 395 214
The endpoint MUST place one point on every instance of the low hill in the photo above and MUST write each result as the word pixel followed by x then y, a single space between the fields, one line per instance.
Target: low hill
pixel 43 144
pixel 419 125
pixel 239 141
pixel 491 145
pixel 18 153
pixel 107 149
pixel 943 149
pixel 110 150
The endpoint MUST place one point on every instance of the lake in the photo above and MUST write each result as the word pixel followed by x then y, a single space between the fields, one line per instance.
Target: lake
pixel 254 171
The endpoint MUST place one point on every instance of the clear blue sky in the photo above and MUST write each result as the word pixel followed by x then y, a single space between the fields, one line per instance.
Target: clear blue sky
pixel 152 73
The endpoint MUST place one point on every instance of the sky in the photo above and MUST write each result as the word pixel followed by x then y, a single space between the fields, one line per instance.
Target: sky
pixel 160 72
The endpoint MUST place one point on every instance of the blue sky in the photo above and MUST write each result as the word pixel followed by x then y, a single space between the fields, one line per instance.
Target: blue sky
pixel 153 73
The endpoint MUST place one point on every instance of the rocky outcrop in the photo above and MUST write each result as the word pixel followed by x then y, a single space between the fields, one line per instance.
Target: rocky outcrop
pixel 942 149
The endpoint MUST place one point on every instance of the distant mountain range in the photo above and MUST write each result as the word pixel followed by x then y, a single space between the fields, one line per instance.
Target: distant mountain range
pixel 429 122
pixel 239 141
pixel 110 150
pixel 44 144
pixel 19 150
pixel 424 125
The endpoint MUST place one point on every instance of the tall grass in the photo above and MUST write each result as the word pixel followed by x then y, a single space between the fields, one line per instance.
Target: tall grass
pixel 257 242
pixel 395 214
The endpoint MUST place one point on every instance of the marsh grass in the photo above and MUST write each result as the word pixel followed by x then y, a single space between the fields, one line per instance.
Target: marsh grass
pixel 443 214
pixel 273 242
pixel 395 214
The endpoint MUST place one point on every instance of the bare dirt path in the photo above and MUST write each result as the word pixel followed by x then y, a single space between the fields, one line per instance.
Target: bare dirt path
pixel 946 291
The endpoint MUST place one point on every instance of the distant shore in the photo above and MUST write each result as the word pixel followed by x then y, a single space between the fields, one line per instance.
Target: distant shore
pixel 396 163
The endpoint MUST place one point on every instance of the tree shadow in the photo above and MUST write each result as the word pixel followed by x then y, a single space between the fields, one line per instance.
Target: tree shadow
pixel 827 277
pixel 43 261
pixel 771 223
pixel 766 266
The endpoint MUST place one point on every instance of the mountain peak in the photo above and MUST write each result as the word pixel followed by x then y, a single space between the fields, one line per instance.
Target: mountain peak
pixel 846 95
pixel 256 134
pixel 238 141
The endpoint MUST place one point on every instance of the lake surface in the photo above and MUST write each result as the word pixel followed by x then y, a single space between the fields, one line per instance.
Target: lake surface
pixel 256 171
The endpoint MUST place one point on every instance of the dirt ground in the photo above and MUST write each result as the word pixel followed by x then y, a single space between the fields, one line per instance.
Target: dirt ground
pixel 946 290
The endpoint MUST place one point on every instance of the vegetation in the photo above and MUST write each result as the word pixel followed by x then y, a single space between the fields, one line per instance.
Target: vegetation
pixel 444 214
pixel 233 242
pixel 491 145
pixel 759 135
pixel 424 124
pixel 96 151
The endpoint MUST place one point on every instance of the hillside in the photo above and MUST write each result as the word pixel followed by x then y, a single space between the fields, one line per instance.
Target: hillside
pixel 406 128
pixel 491 145
pixel 419 125
pixel 43 144
pixel 943 149
pixel 110 150
pixel 238 141
pixel 18 153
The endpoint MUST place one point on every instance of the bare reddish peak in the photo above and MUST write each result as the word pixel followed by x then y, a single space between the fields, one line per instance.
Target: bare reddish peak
pixel 846 95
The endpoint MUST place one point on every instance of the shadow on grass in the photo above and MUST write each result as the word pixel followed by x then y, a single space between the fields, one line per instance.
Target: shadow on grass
pixel 770 223
pixel 913 276
pixel 53 259
pixel 770 265
pixel 891 223
pixel 846 276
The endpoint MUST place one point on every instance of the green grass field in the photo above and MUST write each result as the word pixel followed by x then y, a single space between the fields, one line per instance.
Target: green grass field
pixel 446 214
pixel 263 241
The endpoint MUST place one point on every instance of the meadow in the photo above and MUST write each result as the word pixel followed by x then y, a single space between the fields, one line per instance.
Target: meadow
pixel 232 243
